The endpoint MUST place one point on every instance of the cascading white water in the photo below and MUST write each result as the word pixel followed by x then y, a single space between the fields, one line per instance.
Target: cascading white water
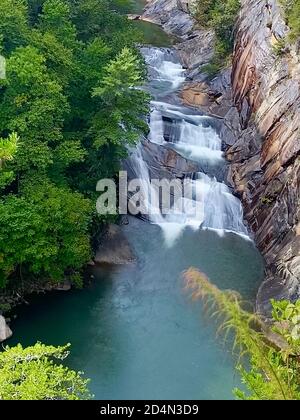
pixel 212 205
pixel 222 210
pixel 189 134
pixel 150 201
pixel 163 69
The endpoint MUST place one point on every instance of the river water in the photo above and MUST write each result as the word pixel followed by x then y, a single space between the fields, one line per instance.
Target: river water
pixel 152 33
pixel 134 330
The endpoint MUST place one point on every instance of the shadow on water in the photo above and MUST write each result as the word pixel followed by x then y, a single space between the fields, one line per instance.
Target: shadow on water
pixel 152 34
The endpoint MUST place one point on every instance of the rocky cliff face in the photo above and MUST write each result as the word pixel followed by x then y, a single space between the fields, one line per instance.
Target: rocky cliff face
pixel 260 111
pixel 196 46
pixel 265 159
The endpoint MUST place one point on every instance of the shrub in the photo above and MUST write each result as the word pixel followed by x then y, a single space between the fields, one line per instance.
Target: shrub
pixel 36 373
pixel 292 14
pixel 274 372
pixel 220 16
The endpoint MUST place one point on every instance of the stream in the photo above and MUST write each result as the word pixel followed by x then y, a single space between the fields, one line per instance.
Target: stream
pixel 134 330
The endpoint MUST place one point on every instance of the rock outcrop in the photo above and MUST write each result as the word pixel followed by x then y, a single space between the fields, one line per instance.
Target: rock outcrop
pixel 165 162
pixel 265 159
pixel 5 331
pixel 114 248
pixel 196 44
pixel 172 15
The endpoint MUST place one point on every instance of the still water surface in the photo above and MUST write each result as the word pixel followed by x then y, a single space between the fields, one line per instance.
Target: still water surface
pixel 135 332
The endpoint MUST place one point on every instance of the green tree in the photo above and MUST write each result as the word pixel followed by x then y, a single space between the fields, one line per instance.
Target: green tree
pixel 122 104
pixel 88 73
pixel 72 97
pixel 103 20
pixel 13 24
pixel 274 368
pixel 36 373
pixel 8 149
pixel 59 59
pixel 56 19
pixel 116 112
pixel 219 15
pixel 33 105
pixel 203 11
pixel 44 233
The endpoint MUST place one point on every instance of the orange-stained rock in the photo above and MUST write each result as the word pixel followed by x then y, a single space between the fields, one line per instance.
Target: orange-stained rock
pixel 196 95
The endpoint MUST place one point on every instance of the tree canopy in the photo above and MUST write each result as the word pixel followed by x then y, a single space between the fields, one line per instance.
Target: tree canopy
pixel 69 106
pixel 37 373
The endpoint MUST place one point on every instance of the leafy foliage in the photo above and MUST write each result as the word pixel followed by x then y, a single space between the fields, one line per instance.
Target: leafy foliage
pixel 292 12
pixel 13 24
pixel 123 103
pixel 274 369
pixel 70 94
pixel 279 48
pixel 219 15
pixel 44 232
pixel 36 373
pixel 8 149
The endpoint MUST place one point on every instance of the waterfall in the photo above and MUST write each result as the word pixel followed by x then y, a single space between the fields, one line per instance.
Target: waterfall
pixel 211 204
pixel 164 69
pixel 222 210
pixel 191 135
pixel 150 200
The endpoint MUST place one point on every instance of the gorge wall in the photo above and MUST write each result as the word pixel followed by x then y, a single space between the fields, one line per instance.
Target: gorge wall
pixel 265 158
pixel 258 101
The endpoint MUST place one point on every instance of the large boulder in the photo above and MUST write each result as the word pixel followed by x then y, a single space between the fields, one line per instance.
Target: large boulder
pixel 197 50
pixel 5 331
pixel 114 248
pixel 165 162
pixel 174 20
pixel 162 161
